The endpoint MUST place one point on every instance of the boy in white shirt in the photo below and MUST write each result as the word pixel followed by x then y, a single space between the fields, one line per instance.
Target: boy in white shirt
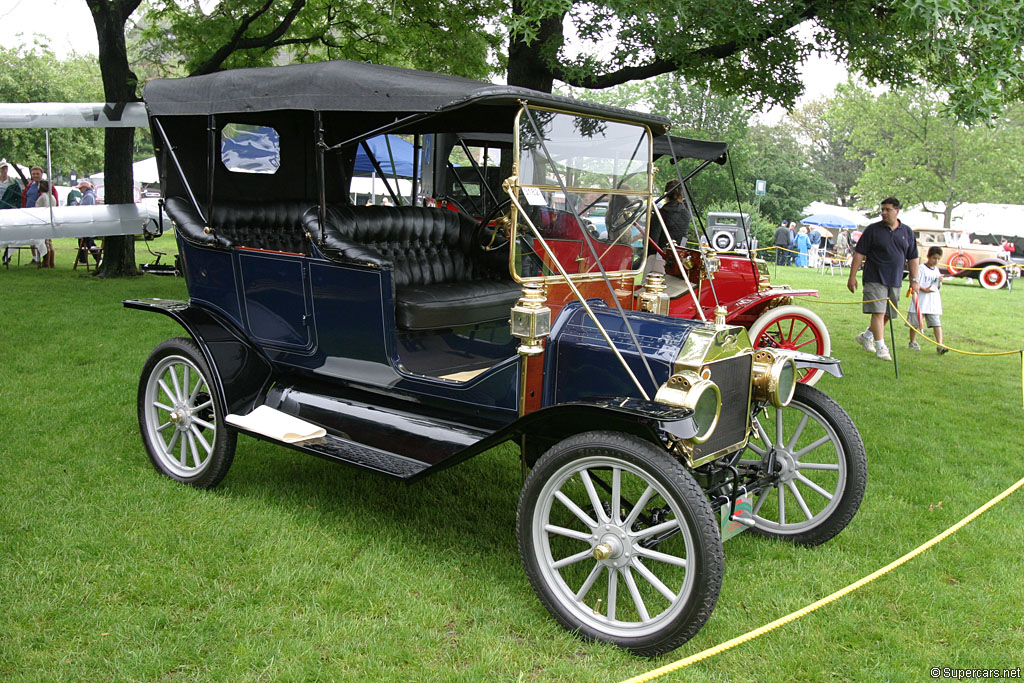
pixel 929 300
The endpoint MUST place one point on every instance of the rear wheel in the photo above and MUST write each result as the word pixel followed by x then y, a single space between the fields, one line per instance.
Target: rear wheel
pixel 822 468
pixel 795 328
pixel 993 277
pixel 182 426
pixel 619 542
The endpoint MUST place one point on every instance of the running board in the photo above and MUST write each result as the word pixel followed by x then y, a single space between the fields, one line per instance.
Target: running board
pixel 349 452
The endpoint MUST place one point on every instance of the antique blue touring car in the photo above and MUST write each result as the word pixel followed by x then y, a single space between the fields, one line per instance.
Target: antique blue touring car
pixel 481 308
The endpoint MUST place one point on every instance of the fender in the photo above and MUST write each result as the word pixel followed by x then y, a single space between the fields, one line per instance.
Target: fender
pixel 541 429
pixel 741 306
pixel 241 373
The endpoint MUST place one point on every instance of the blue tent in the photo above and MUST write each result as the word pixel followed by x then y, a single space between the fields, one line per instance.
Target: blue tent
pixel 401 152
pixel 827 220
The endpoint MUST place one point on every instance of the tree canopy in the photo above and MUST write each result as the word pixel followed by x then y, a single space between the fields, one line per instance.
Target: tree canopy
pixel 970 49
pixel 913 148
pixel 34 74
pixel 180 39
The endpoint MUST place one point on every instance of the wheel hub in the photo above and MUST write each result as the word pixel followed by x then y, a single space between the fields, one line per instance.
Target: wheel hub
pixel 614 548
pixel 181 416
pixel 787 465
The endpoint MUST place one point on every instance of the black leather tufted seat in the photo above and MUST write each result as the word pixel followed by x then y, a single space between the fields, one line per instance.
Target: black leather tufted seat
pixel 276 226
pixel 441 279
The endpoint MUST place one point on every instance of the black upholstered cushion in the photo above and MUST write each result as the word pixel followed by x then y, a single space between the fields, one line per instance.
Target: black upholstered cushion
pixel 441 279
pixel 452 304
pixel 276 226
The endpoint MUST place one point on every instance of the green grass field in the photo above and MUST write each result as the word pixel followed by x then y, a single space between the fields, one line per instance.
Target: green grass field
pixel 298 569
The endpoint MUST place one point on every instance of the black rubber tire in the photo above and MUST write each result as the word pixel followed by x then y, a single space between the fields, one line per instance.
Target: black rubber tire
pixel 182 351
pixel 700 581
pixel 828 415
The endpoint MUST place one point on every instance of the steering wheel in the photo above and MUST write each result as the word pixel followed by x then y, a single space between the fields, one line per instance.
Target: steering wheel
pixel 492 238
pixel 629 213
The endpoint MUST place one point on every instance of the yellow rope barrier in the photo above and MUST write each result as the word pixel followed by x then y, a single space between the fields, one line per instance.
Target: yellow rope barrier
pixel 793 616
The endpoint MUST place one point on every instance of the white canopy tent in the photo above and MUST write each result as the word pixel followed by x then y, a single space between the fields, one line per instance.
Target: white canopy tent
pixel 75 221
pixel 981 219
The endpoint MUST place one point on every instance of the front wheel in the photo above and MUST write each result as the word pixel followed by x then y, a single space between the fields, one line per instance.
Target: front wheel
pixel 822 468
pixel 993 277
pixel 182 426
pixel 795 328
pixel 619 542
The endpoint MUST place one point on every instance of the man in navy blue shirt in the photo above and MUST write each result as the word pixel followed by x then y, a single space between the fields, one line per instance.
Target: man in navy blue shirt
pixel 884 248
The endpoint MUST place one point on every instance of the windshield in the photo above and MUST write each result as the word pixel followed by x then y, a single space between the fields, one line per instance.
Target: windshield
pixel 580 178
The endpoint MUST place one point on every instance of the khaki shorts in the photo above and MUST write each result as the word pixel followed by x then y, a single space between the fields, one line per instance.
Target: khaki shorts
pixel 876 290
pixel 930 320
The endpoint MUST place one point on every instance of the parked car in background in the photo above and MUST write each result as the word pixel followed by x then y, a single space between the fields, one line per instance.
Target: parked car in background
pixel 991 265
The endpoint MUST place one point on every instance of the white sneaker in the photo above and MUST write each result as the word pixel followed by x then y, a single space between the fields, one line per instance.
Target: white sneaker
pixel 867 340
pixel 883 353
pixel 914 346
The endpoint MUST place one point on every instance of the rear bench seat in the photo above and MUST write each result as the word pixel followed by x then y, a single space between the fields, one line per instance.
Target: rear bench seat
pixel 275 226
pixel 440 278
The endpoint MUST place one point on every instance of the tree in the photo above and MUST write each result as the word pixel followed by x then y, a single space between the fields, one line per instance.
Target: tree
pixel 775 155
pixel 829 148
pixel 35 75
pixel 968 48
pixel 180 39
pixel 119 85
pixel 913 148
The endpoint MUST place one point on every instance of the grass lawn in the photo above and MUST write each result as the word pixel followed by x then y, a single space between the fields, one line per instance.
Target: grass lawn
pixel 298 569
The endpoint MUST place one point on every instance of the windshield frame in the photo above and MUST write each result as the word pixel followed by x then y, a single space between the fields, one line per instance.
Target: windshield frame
pixel 646 193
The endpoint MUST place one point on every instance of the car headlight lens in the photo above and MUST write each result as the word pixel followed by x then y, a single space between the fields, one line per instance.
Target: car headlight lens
pixel 689 390
pixel 774 377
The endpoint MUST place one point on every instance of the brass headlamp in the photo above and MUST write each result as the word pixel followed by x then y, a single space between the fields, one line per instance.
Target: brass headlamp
pixel 687 389
pixel 774 377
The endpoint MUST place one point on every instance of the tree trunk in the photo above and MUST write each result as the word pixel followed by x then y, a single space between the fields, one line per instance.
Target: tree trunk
pixel 119 85
pixel 527 64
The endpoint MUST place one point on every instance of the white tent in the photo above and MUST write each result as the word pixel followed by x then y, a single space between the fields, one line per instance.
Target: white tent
pixel 374 187
pixel 143 171
pixel 981 219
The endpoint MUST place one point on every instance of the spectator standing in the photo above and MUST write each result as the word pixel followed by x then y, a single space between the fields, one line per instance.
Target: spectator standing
pixel 883 249
pixel 73 198
pixel 814 236
pixel 781 244
pixel 31 194
pixel 8 186
pixel 10 197
pixel 43 200
pixel 793 243
pixel 929 301
pixel 843 245
pixel 803 245
pixel 87 245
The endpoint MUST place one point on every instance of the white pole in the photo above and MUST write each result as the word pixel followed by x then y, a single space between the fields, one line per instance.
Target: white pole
pixel 49 175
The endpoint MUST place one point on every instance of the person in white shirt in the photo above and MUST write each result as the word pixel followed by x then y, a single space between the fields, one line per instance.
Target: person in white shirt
pixel 929 300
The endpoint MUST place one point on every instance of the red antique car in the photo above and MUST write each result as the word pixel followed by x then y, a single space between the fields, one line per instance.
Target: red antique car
pixel 737 281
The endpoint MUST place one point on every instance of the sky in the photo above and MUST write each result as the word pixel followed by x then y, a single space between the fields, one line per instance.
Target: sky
pixel 67 26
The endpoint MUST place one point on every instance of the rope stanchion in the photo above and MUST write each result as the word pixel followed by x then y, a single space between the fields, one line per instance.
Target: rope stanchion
pixel 793 616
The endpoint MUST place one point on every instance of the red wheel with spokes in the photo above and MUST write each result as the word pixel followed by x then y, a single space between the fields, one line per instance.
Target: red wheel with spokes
pixel 958 262
pixel 993 277
pixel 796 328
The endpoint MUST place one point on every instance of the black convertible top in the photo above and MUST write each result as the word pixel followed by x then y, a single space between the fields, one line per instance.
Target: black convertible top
pixel 687 148
pixel 345 86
